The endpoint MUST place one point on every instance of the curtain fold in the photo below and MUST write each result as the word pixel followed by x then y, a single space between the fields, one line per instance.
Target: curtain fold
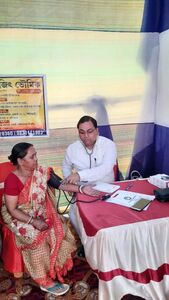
pixel 151 149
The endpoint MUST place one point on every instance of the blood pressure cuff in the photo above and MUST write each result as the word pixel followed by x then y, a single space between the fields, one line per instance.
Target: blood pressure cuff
pixel 54 180
pixel 162 195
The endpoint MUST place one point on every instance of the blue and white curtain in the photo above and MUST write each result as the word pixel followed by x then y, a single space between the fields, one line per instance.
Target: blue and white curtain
pixel 151 150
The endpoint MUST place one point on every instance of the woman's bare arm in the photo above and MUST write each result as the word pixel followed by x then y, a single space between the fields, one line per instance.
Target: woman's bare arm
pixel 11 204
pixel 16 213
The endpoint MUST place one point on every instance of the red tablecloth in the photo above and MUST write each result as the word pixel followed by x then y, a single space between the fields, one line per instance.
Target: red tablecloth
pixel 126 248
pixel 100 214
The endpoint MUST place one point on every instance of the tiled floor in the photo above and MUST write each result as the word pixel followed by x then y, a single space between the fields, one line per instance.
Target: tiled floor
pixel 83 285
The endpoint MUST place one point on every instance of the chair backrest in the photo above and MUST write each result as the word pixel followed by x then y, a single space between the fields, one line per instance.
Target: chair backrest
pixel 118 176
pixel 5 169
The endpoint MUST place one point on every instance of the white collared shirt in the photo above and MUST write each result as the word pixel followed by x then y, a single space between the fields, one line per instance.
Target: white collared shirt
pixel 102 160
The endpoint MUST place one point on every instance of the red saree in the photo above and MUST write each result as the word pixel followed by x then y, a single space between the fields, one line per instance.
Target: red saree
pixel 47 255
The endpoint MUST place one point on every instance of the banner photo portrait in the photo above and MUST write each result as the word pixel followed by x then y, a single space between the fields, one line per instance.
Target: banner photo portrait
pixel 23 109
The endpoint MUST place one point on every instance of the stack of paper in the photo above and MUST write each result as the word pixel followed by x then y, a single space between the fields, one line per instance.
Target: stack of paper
pixel 126 198
pixel 106 187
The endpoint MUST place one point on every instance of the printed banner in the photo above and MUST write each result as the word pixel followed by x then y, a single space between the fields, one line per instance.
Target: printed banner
pixel 22 106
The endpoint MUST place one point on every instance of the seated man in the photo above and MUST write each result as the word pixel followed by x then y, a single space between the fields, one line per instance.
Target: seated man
pixel 92 157
pixel 89 159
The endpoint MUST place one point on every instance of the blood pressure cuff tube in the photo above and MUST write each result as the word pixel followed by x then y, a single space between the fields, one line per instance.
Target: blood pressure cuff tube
pixel 54 180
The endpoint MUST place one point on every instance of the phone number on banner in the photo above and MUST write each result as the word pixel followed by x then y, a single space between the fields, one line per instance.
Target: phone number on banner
pixel 17 133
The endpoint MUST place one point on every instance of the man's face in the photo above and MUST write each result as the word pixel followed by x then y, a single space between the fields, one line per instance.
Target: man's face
pixel 88 134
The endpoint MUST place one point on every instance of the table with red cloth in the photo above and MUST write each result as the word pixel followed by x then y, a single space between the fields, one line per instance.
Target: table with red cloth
pixel 129 250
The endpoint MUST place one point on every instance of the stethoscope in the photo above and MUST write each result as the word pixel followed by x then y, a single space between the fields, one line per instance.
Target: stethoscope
pixel 89 153
pixel 90 156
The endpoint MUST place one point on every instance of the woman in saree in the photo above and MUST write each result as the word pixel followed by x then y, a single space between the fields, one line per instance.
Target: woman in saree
pixel 45 241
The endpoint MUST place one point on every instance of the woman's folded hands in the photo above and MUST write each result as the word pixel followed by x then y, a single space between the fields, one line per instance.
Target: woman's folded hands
pixel 40 224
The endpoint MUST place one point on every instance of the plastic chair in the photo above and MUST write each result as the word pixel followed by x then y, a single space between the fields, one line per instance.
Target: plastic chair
pixel 9 249
pixel 118 176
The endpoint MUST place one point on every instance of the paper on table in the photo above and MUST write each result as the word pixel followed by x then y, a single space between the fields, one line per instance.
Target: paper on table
pixel 128 199
pixel 106 187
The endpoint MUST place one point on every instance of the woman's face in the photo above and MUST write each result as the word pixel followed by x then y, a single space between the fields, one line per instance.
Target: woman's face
pixel 30 161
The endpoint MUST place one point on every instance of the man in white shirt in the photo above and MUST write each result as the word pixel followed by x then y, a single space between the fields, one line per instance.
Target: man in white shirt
pixel 92 158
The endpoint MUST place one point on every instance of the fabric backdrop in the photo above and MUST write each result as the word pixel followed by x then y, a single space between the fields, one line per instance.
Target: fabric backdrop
pixel 151 149
pixel 86 49
pixel 98 62
pixel 72 14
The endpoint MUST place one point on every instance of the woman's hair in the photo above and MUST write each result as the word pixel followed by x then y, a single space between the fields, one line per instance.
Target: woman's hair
pixel 19 151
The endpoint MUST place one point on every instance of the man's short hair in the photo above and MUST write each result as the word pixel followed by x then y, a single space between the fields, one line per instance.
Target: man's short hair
pixel 87 119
